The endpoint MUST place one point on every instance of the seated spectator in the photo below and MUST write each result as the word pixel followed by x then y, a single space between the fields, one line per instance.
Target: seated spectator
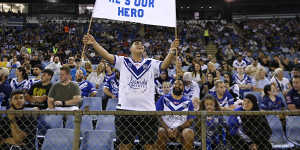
pixel 242 80
pixel 159 81
pixel 37 71
pixel 293 96
pixel 17 131
pixel 38 93
pixel 234 90
pixel 271 101
pixel 55 66
pixel 283 84
pixel 4 61
pixel 224 98
pixel 14 63
pixel 260 80
pixel 225 67
pixel 255 128
pixel 166 86
pixel 109 71
pixel 215 125
pixel 197 74
pixel 111 88
pixel 71 62
pixel 5 89
pixel 253 68
pixel 77 67
pixel 97 77
pixel 212 69
pixel 239 63
pixel 175 128
pixel 64 93
pixel 209 83
pixel 86 87
pixel 21 81
pixel 88 67
pixel 191 88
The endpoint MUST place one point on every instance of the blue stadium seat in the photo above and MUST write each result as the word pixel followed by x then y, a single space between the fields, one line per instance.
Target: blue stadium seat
pixel 106 122
pixel 94 103
pixel 58 139
pixel 112 104
pixel 52 121
pixel 97 139
pixel 278 138
pixel 293 129
pixel 86 123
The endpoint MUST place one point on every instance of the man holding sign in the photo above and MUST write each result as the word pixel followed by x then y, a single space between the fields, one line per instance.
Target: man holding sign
pixel 136 91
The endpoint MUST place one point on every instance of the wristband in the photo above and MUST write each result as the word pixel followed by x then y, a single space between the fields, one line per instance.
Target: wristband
pixel 63 103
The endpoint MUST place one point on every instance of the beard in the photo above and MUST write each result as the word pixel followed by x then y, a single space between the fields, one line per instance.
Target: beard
pixel 177 91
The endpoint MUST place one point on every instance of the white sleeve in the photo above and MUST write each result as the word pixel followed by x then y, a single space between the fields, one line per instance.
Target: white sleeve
pixel 156 64
pixel 118 61
pixel 196 93
pixel 234 64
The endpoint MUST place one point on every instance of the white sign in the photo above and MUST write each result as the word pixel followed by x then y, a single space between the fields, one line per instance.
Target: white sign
pixel 153 12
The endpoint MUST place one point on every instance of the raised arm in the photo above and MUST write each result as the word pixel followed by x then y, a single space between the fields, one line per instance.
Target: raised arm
pixel 170 56
pixel 90 40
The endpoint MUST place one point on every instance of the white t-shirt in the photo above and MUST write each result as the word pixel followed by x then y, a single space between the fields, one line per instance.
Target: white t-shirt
pixel 283 83
pixel 137 88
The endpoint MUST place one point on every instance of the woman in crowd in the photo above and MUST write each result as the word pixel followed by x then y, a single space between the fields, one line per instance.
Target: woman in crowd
pixel 283 84
pixel 215 125
pixel 96 77
pixel 197 74
pixel 271 101
pixel 254 128
pixel 260 80
pixel 21 81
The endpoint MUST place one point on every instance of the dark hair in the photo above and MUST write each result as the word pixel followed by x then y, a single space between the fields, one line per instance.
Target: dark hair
pixel 297 76
pixel 16 92
pixel 194 69
pixel 136 40
pixel 24 74
pixel 267 89
pixel 209 97
pixel 38 66
pixel 253 99
pixel 66 69
pixel 49 72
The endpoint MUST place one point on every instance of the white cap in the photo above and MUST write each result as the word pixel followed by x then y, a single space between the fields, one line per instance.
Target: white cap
pixel 187 76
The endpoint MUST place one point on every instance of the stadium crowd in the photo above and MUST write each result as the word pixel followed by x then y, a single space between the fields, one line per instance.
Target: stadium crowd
pixel 257 64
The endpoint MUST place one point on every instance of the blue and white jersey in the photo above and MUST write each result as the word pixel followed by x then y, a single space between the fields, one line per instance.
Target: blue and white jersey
pixel 86 88
pixel 112 84
pixel 227 99
pixel 237 64
pixel 268 104
pixel 192 91
pixel 137 88
pixel 34 81
pixel 23 85
pixel 168 103
pixel 243 81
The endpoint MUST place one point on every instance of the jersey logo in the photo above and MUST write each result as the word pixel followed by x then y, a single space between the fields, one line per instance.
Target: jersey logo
pixel 137 72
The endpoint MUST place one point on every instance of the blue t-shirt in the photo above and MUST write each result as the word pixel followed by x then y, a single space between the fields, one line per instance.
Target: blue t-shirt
pixel 227 99
pixel 268 104
pixel 112 83
pixel 168 103
pixel 86 88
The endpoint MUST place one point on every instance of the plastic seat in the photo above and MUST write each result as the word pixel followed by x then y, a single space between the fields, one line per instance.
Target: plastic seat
pixel 94 103
pixel 112 104
pixel 97 139
pixel 278 138
pixel 106 122
pixel 86 123
pixel 58 139
pixel 293 129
